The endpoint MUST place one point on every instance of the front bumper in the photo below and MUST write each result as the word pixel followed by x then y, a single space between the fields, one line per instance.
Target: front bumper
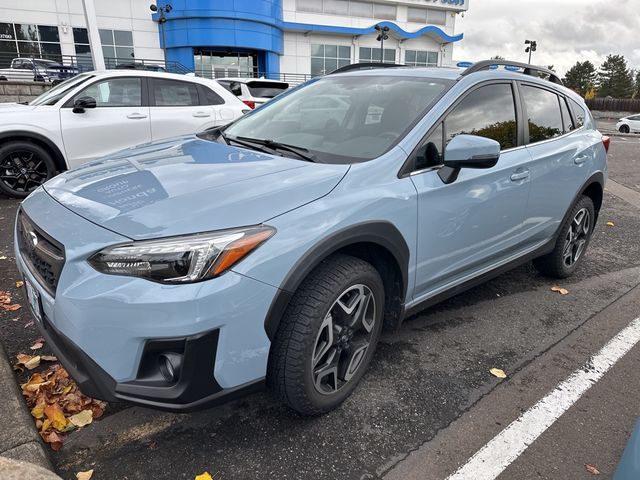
pixel 106 328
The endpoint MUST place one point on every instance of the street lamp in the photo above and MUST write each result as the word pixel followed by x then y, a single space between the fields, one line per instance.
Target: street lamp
pixel 382 36
pixel 533 46
pixel 166 8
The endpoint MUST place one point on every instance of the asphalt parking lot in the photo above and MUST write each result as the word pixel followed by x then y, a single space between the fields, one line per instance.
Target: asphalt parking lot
pixel 428 402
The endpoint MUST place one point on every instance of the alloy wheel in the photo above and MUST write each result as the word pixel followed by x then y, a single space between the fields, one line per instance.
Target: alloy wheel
pixel 23 171
pixel 577 237
pixel 343 340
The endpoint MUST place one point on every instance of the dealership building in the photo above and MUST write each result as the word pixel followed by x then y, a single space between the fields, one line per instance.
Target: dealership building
pixel 237 37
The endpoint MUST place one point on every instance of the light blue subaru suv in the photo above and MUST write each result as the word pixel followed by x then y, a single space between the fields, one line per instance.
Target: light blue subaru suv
pixel 271 252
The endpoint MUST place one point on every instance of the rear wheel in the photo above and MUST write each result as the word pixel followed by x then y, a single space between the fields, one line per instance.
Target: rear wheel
pixel 624 129
pixel 328 335
pixel 572 242
pixel 24 166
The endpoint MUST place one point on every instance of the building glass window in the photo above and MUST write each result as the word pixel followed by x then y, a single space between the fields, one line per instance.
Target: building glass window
pixel 353 8
pixel 326 58
pixel 420 58
pixel 427 15
pixel 417 15
pixel 26 40
pixel 117 46
pixel 368 55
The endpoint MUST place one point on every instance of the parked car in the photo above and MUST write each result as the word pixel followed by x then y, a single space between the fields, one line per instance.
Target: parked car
pixel 151 67
pixel 36 70
pixel 253 91
pixel 181 273
pixel 97 113
pixel 629 124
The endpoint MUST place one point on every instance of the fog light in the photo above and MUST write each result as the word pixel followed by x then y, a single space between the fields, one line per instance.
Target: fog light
pixel 169 365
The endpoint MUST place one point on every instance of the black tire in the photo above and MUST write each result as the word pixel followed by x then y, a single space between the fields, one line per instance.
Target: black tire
pixel 624 129
pixel 24 166
pixel 303 332
pixel 557 264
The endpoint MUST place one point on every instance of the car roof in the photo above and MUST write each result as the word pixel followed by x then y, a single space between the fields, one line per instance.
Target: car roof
pixel 247 80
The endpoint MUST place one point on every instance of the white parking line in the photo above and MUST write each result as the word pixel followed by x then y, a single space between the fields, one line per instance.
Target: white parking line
pixel 491 460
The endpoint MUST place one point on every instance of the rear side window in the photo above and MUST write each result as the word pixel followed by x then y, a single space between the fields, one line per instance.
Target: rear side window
pixel 172 93
pixel 543 112
pixel 486 112
pixel 578 113
pixel 209 97
pixel 566 118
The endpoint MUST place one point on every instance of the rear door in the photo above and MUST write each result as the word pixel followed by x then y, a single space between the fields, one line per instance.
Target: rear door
pixel 120 119
pixel 561 150
pixel 176 108
pixel 475 223
pixel 634 123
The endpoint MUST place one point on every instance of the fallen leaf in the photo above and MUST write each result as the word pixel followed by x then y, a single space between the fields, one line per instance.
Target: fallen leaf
pixel 28 325
pixel 5 298
pixel 28 361
pixel 56 415
pixel 39 343
pixel 496 372
pixel 84 475
pixel 204 476
pixel 11 308
pixel 38 411
pixel 48 358
pixel 2 257
pixel 19 283
pixel 611 224
pixel 82 419
pixel 560 290
pixel 35 382
pixel 591 469
pixel 53 439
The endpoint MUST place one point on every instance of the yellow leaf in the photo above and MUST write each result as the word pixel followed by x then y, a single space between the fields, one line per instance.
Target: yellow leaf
pixel 38 411
pixel 496 372
pixel 85 417
pixel 19 283
pixel 204 476
pixel 611 224
pixel 84 475
pixel 48 358
pixel 56 415
pixel 561 291
pixel 2 257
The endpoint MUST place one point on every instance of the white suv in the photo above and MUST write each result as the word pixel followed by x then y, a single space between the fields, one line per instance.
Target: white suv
pixel 253 91
pixel 97 113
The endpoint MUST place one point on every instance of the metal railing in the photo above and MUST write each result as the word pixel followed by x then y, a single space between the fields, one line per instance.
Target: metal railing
pixel 290 78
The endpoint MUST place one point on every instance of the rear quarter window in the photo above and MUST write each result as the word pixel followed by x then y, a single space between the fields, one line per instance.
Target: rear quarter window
pixel 579 113
pixel 543 113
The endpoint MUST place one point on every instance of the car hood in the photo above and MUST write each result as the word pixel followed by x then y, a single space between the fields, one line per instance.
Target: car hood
pixel 15 107
pixel 189 185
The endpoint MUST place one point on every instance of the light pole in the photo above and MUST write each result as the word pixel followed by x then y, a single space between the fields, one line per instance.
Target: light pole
pixel 166 8
pixel 532 47
pixel 382 36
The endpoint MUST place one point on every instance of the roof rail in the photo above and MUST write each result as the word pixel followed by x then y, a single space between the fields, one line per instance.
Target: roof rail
pixel 528 69
pixel 364 66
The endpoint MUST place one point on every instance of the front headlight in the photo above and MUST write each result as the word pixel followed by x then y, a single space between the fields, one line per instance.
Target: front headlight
pixel 184 259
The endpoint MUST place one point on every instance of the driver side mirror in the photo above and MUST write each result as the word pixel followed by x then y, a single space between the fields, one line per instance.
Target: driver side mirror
pixel 82 103
pixel 468 151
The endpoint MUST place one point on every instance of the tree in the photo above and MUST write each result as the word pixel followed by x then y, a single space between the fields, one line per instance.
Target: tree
pixel 637 95
pixel 615 79
pixel 497 57
pixel 581 77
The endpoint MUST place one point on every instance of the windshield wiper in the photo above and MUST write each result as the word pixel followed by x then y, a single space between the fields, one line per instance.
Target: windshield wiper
pixel 301 152
pixel 253 146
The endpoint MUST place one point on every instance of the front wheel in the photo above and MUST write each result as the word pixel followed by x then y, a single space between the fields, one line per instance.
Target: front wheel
pixel 328 335
pixel 572 241
pixel 24 166
pixel 624 129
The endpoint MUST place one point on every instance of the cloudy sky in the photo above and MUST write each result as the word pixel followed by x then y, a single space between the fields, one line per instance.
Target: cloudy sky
pixel 566 30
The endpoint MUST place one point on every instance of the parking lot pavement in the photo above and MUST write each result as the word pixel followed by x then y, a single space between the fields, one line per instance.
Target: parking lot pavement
pixel 425 376
pixel 624 161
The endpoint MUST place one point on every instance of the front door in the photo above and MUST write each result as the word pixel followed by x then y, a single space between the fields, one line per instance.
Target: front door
pixel 120 120
pixel 477 222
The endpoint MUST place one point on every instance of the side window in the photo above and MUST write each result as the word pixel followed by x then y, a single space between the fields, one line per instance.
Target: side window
pixel 578 113
pixel 430 152
pixel 209 97
pixel 487 112
pixel 115 92
pixel 543 111
pixel 566 118
pixel 173 93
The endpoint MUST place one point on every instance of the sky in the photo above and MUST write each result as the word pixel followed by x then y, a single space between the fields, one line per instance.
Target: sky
pixel 567 31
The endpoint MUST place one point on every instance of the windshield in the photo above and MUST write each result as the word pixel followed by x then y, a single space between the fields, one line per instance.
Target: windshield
pixel 50 97
pixel 343 119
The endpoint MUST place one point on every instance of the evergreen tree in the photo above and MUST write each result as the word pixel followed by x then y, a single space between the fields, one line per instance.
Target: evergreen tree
pixel 637 95
pixel 581 77
pixel 615 79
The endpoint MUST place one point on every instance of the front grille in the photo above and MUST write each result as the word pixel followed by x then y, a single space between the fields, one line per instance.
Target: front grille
pixel 42 254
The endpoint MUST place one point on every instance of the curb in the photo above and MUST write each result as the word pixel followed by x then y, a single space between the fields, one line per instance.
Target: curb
pixel 19 439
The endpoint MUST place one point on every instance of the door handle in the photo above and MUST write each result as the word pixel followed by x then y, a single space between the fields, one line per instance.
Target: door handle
pixel 580 159
pixel 201 114
pixel 517 176
pixel 136 116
